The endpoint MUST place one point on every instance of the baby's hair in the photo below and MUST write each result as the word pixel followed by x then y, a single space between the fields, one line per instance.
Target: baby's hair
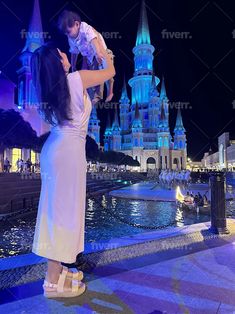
pixel 67 19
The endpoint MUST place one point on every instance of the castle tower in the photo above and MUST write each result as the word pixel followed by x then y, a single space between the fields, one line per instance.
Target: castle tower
pixel 108 135
pixel 180 142
pixel 116 132
pixel 93 126
pixel 34 40
pixel 145 132
pixel 27 100
pixel 154 104
pixel 124 108
pixel 179 133
pixel 137 134
pixel 164 98
pixel 164 139
pixel 143 57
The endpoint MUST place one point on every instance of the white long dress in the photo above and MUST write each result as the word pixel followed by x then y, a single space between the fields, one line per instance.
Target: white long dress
pixel 59 230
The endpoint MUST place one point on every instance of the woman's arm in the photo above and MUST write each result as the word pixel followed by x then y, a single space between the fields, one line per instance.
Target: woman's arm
pixel 94 78
pixel 74 57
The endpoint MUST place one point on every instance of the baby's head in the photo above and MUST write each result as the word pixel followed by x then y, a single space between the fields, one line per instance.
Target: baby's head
pixel 69 23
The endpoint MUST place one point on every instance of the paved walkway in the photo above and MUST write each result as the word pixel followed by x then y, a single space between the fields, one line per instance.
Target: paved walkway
pixel 167 282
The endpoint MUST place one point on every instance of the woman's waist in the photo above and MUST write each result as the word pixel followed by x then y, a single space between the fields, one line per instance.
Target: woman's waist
pixel 75 131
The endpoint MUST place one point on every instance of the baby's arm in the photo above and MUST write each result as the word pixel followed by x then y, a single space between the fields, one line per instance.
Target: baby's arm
pixel 93 38
pixel 74 54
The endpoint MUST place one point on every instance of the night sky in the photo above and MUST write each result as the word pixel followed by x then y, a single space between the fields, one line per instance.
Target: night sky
pixel 198 68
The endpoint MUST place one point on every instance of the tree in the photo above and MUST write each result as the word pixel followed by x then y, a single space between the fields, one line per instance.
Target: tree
pixel 92 150
pixel 118 158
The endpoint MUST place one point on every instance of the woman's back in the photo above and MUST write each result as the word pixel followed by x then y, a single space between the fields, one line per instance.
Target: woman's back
pixel 80 106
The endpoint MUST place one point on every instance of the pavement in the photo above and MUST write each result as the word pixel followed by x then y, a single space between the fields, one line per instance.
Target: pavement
pixel 196 275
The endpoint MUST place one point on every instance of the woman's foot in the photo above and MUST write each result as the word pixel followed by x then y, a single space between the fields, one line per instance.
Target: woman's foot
pixel 64 287
pixel 56 268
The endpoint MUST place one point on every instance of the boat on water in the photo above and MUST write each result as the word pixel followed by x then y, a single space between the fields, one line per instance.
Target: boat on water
pixel 189 204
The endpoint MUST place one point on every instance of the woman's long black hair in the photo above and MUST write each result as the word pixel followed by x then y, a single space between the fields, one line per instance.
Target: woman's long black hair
pixel 50 82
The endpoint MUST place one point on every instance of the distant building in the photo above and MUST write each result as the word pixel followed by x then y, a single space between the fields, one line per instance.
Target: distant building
pixel 143 132
pixel 224 158
pixel 24 91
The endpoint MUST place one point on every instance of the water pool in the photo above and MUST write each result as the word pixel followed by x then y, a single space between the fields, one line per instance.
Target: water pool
pixel 106 217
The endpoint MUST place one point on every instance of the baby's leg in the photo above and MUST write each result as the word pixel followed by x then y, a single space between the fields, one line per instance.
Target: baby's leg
pixel 109 85
pixel 97 90
pixel 98 94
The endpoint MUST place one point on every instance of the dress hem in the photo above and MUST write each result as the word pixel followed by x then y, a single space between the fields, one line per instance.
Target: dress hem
pixel 53 257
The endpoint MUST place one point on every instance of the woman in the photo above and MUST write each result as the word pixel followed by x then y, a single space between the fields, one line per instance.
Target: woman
pixel 63 103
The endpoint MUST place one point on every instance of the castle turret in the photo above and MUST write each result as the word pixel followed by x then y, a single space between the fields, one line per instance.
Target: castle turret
pixel 124 108
pixel 164 140
pixel 180 142
pixel 116 132
pixel 93 126
pixel 108 135
pixel 164 99
pixel 137 129
pixel 179 132
pixel 143 51
pixel 153 108
pixel 34 39
pixel 27 100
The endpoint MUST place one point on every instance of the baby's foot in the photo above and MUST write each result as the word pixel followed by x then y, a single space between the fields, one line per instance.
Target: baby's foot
pixel 95 100
pixel 109 97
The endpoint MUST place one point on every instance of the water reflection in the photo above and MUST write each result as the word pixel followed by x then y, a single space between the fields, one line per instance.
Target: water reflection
pixel 106 218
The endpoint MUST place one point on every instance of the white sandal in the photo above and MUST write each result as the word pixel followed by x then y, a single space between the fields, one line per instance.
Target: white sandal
pixel 77 288
pixel 76 275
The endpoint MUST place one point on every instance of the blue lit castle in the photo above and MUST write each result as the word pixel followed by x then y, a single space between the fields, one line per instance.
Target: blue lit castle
pixel 143 132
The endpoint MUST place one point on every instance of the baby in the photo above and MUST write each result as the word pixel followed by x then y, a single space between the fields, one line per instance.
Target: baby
pixel 84 39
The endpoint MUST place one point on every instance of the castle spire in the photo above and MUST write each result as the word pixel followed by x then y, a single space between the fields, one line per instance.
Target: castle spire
pixel 163 89
pixel 108 130
pixel 137 121
pixel 143 36
pixel 179 122
pixel 124 97
pixel 115 126
pixel 180 141
pixel 163 125
pixel 34 36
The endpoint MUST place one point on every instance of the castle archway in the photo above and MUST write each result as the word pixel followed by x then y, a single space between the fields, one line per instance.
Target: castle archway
pixel 151 163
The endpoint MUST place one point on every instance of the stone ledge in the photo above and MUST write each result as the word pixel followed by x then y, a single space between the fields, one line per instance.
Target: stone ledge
pixel 168 248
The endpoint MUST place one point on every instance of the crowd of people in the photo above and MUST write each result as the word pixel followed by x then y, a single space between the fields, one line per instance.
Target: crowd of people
pixel 197 199
pixel 22 166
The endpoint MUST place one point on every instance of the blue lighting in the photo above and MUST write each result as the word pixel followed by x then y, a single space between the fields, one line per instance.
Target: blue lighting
pixel 144 118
